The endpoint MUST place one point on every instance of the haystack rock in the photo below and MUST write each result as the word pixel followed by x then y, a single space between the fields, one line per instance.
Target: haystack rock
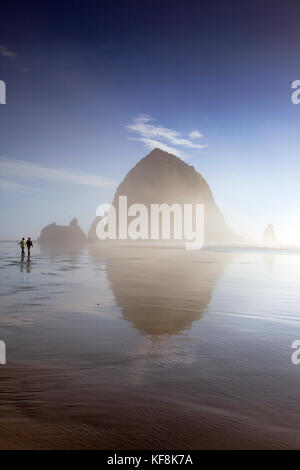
pixel 269 235
pixel 161 177
pixel 70 234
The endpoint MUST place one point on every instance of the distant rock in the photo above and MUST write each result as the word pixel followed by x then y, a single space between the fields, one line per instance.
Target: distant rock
pixel 269 235
pixel 161 177
pixel 70 234
pixel 92 237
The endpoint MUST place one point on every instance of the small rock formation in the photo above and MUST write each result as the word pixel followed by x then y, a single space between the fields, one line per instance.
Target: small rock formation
pixel 92 237
pixel 269 236
pixel 161 177
pixel 70 234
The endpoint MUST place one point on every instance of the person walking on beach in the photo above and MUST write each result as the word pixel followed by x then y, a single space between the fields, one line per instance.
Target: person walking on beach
pixel 22 244
pixel 29 245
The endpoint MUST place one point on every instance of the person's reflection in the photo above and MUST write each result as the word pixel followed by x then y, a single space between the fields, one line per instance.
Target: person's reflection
pixel 28 265
pixel 161 291
pixel 25 263
pixel 22 263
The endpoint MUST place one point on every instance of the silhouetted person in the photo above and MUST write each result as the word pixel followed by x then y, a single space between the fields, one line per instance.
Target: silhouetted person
pixel 29 245
pixel 22 244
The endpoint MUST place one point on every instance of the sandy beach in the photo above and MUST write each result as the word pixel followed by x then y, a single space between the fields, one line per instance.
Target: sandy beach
pixel 149 348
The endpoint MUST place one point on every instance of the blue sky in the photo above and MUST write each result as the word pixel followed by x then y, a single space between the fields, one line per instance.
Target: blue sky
pixel 92 86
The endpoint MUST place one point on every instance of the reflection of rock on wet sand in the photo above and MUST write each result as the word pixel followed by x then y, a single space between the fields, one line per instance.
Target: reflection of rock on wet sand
pixel 72 251
pixel 162 291
pixel 269 262
pixel 62 258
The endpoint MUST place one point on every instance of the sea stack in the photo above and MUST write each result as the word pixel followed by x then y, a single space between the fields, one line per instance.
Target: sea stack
pixel 269 235
pixel 160 178
pixel 68 235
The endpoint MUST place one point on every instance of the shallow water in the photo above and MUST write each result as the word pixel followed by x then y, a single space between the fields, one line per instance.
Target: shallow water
pixel 149 348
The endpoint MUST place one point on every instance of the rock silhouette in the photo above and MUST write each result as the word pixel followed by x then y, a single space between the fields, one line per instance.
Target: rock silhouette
pixel 161 177
pixel 70 234
pixel 269 235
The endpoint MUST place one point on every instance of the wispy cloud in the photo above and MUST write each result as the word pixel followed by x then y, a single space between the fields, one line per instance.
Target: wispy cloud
pixel 13 186
pixel 149 133
pixel 195 135
pixel 27 171
pixel 5 52
pixel 152 144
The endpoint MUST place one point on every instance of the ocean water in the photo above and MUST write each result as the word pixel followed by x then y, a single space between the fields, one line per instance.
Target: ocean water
pixel 127 348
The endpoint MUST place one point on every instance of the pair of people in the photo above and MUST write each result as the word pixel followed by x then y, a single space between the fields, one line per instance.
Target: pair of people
pixel 25 244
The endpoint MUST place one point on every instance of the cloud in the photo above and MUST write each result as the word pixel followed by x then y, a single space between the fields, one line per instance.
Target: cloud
pixel 28 171
pixel 152 144
pixel 5 52
pixel 149 133
pixel 13 186
pixel 195 135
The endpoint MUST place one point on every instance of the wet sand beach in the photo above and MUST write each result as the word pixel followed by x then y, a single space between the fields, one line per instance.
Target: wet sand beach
pixel 127 348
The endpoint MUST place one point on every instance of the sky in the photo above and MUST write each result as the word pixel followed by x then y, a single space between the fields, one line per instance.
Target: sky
pixel 92 87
